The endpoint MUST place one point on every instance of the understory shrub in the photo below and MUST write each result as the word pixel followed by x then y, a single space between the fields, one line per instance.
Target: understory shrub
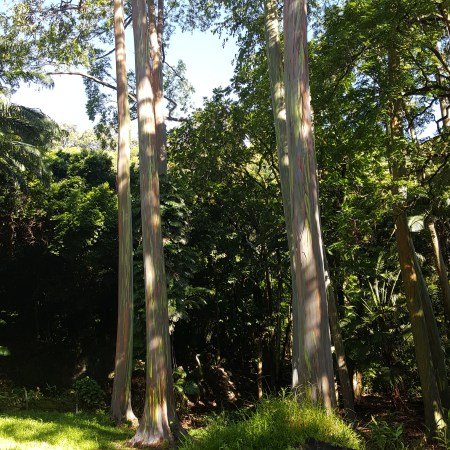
pixel 384 436
pixel 89 393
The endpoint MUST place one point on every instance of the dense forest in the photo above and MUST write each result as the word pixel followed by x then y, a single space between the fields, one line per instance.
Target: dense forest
pixel 268 271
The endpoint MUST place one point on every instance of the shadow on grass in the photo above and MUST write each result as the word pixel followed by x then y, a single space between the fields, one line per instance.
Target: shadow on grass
pixel 80 431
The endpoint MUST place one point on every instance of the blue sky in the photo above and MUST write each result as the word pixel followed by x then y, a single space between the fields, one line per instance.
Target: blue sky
pixel 208 65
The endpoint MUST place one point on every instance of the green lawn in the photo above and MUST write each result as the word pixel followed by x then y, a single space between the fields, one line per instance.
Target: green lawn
pixel 36 430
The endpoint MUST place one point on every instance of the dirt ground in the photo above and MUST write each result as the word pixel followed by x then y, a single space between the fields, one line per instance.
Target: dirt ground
pixel 408 414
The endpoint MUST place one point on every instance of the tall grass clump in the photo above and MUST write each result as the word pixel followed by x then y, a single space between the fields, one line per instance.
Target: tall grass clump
pixel 276 423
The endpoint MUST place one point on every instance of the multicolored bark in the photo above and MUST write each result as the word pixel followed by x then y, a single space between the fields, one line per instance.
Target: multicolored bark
pixel 156 29
pixel 121 396
pixel 155 427
pixel 312 359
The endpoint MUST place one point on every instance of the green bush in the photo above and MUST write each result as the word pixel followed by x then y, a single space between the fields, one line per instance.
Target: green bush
pixel 185 389
pixel 89 393
pixel 276 424
pixel 384 436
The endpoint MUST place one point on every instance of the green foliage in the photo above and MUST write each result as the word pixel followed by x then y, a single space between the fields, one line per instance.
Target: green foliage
pixel 225 247
pixel 275 424
pixel 184 388
pixel 24 135
pixel 36 430
pixel 385 436
pixel 89 393
pixel 443 436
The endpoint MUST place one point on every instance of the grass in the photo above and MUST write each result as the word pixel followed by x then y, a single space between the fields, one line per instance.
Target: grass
pixel 39 430
pixel 276 424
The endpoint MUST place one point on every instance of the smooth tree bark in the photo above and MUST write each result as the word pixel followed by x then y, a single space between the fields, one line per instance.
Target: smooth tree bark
pixel 156 30
pixel 121 395
pixel 339 348
pixel 155 427
pixel 410 271
pixel 276 75
pixel 312 359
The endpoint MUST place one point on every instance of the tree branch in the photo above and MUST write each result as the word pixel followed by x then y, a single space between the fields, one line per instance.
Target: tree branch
pixel 112 86
pixel 93 78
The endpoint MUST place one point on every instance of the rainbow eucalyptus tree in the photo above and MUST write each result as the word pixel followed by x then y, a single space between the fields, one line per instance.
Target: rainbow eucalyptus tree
pixel 159 412
pixel 312 359
pixel 276 74
pixel 121 396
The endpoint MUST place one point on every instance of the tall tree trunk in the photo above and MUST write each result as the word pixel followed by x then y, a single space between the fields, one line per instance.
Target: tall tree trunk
pixel 410 270
pixel 441 269
pixel 276 75
pixel 430 391
pixel 156 30
pixel 154 428
pixel 121 396
pixel 339 348
pixel 312 359
pixel 277 337
pixel 437 351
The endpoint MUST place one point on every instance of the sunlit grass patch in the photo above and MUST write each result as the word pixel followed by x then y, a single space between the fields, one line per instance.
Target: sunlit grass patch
pixel 53 430
pixel 281 424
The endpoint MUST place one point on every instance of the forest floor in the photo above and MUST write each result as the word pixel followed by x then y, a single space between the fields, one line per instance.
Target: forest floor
pixel 396 425
pixel 394 417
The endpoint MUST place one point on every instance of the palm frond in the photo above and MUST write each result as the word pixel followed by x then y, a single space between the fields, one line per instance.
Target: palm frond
pixel 25 133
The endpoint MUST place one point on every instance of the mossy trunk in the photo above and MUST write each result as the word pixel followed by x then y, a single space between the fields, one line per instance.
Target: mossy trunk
pixel 121 396
pixel 312 359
